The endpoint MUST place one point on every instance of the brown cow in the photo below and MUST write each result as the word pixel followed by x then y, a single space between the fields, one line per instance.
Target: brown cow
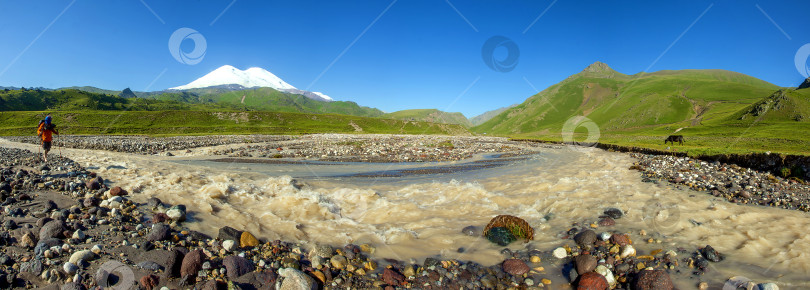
pixel 674 138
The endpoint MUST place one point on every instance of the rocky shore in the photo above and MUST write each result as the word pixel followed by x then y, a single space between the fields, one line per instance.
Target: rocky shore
pixel 381 148
pixel 324 147
pixel 145 144
pixel 65 227
pixel 732 182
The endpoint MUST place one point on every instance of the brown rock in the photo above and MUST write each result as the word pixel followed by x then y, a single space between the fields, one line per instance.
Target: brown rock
pixel 149 282
pixel 606 222
pixel 592 281
pixel 515 267
pixel 214 285
pixel 52 229
pixel 160 218
pixel 620 239
pixel 174 263
pixel 237 266
pixel 585 263
pixel 653 279
pixel 28 240
pixel 192 263
pixel 393 278
pixel 117 191
pixel 585 239
pixel 248 240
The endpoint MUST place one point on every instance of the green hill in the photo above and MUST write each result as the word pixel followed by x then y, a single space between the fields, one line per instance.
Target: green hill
pixel 717 111
pixel 74 99
pixel 268 99
pixel 615 101
pixel 480 119
pixel 430 115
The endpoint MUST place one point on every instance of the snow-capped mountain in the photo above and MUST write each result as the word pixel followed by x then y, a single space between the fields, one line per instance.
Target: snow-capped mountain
pixel 228 75
pixel 231 77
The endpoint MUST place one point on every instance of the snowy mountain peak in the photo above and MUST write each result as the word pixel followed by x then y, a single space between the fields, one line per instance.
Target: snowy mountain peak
pixel 249 78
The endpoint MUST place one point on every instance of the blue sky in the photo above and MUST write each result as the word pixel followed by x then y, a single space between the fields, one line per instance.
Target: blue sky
pixel 417 54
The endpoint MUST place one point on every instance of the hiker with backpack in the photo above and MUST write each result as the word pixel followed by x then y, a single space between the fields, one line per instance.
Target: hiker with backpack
pixel 45 132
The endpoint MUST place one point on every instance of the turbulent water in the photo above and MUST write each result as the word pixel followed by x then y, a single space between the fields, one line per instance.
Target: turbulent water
pixel 413 218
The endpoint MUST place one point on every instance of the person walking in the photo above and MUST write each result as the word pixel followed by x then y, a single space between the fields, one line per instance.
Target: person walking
pixel 45 132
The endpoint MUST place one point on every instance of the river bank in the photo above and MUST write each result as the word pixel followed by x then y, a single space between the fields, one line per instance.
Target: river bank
pixel 677 247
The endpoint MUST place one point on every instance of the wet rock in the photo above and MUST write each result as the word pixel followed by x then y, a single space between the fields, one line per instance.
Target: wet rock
pixel 515 267
pixel 614 213
pixel 154 202
pixel 585 239
pixel 711 254
pixel 117 191
pixel 338 262
pixel 247 240
pixel 159 232
pixel 628 251
pixel 237 266
pixel 501 236
pixel 585 263
pixel 767 286
pixel 653 279
pixel 472 231
pixel 606 222
pixel 296 280
pixel 149 282
pixel 177 213
pixel 52 229
pixel 392 277
pixel 620 239
pixel 605 272
pixel 559 253
pixel 192 263
pixel 160 218
pixel 592 281
pixel 229 233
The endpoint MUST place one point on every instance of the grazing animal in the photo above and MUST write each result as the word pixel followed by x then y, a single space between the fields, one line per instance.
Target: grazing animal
pixel 674 138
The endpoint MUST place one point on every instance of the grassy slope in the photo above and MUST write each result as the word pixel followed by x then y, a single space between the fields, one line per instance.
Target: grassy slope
pixel 640 110
pixel 209 122
pixel 430 115
pixel 268 99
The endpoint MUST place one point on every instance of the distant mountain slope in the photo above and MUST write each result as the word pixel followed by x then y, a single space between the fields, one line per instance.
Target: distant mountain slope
pixel 72 100
pixel 615 101
pixel 268 99
pixel 430 115
pixel 480 119
pixel 785 105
